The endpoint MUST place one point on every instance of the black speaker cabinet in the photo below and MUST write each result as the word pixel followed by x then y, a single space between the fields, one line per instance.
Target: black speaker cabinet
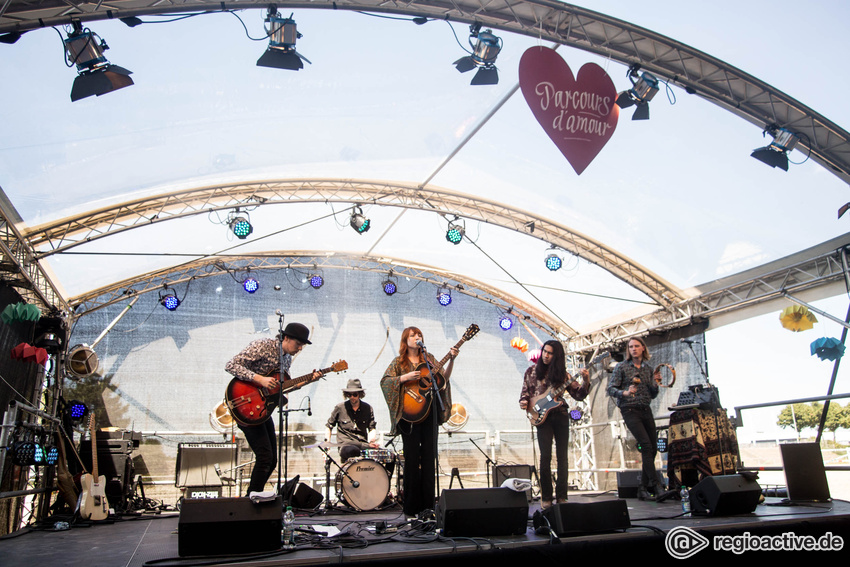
pixel 725 495
pixel 482 512
pixel 305 497
pixel 573 518
pixel 225 526
pixel 627 484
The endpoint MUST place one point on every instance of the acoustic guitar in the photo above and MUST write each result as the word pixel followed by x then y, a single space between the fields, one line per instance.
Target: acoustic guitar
pixel 250 404
pixel 540 406
pixel 416 395
pixel 93 503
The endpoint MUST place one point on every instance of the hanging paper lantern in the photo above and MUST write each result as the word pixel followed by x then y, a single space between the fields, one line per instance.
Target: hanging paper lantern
pixel 519 344
pixel 534 356
pixel 20 312
pixel 797 318
pixel 827 348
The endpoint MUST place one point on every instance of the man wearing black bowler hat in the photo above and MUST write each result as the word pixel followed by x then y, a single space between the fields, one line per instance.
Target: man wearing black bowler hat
pixel 258 363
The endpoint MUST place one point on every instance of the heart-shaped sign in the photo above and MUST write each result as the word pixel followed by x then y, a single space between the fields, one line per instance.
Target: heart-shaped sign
pixel 579 115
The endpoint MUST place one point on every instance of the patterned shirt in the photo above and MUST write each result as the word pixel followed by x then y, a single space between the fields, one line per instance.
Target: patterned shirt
pixel 533 388
pixel 624 376
pixel 259 357
pixel 392 389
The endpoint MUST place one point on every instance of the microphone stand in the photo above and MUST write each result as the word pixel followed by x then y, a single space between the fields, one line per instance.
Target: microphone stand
pixel 488 461
pixel 280 403
pixel 715 405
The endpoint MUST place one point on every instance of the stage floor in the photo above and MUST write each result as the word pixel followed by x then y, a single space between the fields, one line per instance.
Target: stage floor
pixel 152 540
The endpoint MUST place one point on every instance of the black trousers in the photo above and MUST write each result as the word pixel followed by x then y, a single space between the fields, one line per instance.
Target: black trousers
pixel 419 468
pixel 640 422
pixel 557 428
pixel 263 442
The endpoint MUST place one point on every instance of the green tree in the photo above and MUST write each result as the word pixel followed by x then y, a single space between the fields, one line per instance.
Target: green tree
pixel 800 416
pixel 838 417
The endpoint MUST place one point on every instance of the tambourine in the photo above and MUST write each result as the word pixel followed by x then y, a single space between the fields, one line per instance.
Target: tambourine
pixel 672 374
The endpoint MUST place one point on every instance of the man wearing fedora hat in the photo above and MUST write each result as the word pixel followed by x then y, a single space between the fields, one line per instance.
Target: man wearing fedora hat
pixel 354 421
pixel 259 363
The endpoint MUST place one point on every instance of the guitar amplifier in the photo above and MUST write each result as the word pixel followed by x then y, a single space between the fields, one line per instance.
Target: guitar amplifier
pixel 197 462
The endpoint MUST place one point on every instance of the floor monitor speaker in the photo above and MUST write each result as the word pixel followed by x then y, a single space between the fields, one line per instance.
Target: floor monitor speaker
pixel 481 512
pixel 226 526
pixel 574 518
pixel 725 495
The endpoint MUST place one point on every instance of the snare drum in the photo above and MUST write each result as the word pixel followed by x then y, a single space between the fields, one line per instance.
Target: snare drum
pixel 383 456
pixel 373 487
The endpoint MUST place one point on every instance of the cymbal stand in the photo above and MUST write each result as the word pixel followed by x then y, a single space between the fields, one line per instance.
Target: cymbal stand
pixel 489 462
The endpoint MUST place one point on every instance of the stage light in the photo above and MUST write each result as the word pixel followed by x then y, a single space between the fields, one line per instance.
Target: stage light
pixel 316 281
pixel 444 296
pixel 485 50
pixel 51 455
pixel 390 286
pixel 168 299
pixel 455 233
pixel 662 444
pixel 506 323
pixel 250 285
pixel 358 222
pixel 553 261
pixel 644 88
pixel 27 453
pixel 96 75
pixel 776 154
pixel 575 414
pixel 76 411
pixel 282 34
pixel 240 224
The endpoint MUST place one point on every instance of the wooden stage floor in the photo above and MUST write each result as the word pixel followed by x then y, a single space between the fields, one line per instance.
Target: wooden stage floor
pixel 151 539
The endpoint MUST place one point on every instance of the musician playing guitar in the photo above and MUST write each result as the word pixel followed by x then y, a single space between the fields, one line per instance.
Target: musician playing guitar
pixel 259 364
pixel 418 438
pixel 550 374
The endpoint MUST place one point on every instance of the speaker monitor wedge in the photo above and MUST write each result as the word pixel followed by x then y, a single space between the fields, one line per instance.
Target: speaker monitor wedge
pixel 725 495
pixel 573 518
pixel 226 526
pixel 481 512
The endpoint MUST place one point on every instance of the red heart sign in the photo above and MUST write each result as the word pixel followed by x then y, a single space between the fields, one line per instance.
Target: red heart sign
pixel 579 115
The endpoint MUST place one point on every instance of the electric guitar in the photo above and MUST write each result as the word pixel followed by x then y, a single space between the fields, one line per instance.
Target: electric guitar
pixel 93 503
pixel 539 407
pixel 250 404
pixel 416 395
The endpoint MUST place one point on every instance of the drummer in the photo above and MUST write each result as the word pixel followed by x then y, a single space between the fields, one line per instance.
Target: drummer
pixel 354 421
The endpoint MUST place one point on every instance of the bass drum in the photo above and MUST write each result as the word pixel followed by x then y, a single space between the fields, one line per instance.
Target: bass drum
pixel 373 484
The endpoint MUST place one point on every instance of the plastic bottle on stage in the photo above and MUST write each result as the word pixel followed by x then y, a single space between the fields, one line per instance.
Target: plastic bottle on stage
pixel 686 500
pixel 288 539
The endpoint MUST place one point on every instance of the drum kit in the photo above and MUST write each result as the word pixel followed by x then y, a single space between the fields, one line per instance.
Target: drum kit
pixel 363 483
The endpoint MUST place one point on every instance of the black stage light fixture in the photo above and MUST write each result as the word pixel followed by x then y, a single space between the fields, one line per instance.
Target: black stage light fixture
pixel 485 50
pixel 444 296
pixel 553 260
pixel 76 411
pixel 455 233
pixel 506 323
pixel 168 298
pixel 239 223
pixel 776 154
pixel 282 33
pixel 316 281
pixel 96 75
pixel 358 222
pixel 11 37
pixel 644 88
pixel 390 285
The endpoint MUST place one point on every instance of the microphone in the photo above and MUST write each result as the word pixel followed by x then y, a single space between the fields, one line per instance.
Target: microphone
pixel 689 342
pixel 420 344
pixel 278 312
pixel 309 406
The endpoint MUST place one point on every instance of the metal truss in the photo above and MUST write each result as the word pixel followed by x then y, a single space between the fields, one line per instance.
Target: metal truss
pixel 67 233
pixel 547 20
pixel 583 451
pixel 814 272
pixel 308 261
pixel 21 269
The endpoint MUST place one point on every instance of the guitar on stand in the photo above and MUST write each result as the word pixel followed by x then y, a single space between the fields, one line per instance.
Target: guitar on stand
pixel 93 503
pixel 252 405
pixel 416 397
pixel 540 406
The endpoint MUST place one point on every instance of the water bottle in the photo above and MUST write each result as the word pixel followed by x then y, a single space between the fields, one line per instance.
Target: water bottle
pixel 288 529
pixel 686 500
